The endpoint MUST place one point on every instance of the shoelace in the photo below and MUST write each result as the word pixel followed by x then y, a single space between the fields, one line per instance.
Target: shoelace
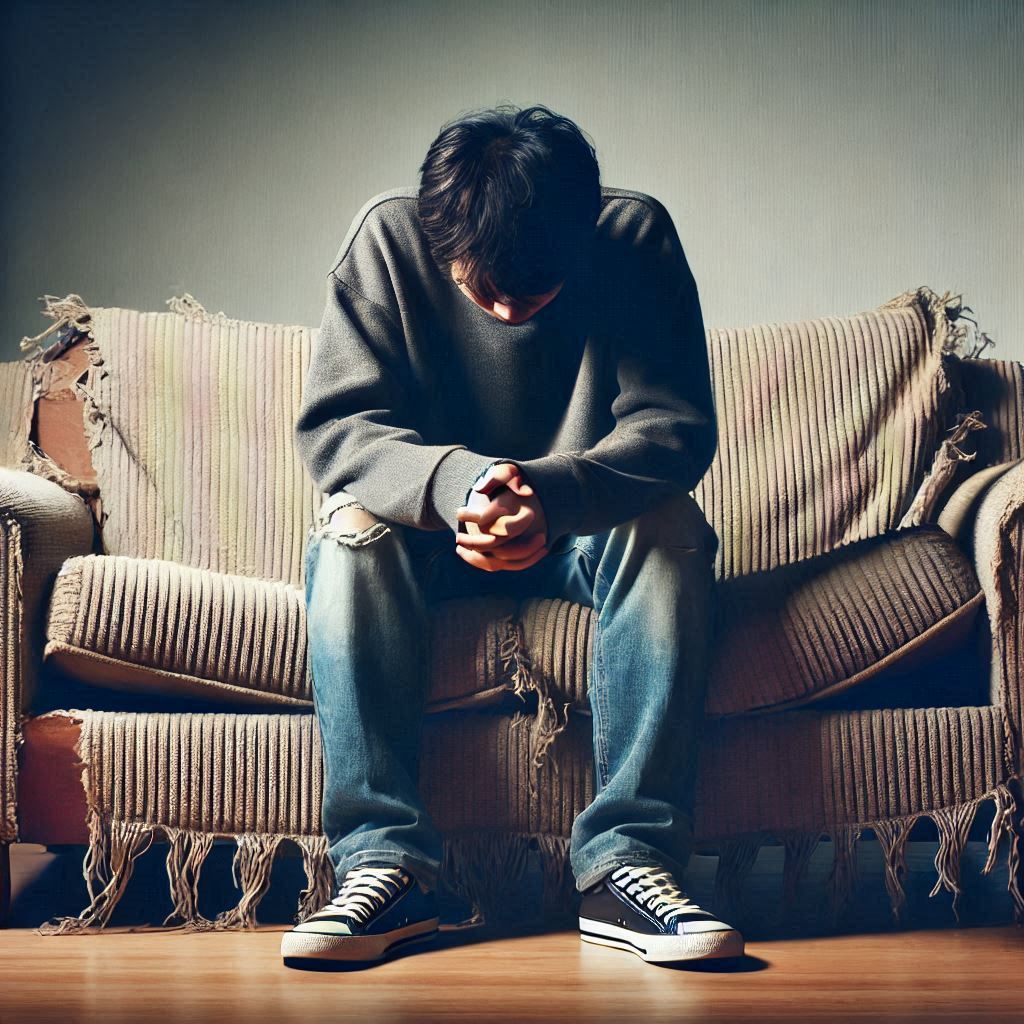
pixel 653 888
pixel 365 890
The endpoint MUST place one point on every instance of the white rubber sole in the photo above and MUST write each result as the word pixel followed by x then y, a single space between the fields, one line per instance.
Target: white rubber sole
pixel 664 948
pixel 297 945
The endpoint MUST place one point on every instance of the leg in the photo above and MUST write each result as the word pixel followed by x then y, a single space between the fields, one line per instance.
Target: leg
pixel 367 633
pixel 652 586
pixel 651 582
pixel 654 595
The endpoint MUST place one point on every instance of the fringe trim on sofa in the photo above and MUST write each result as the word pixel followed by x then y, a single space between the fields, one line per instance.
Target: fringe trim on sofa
pixel 797 852
pixel 737 856
pixel 485 868
pixel 488 867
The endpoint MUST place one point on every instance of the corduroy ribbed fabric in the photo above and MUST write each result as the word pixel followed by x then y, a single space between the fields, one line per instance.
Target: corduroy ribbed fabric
pixel 827 429
pixel 16 389
pixel 787 637
pixel 258 778
pixel 40 525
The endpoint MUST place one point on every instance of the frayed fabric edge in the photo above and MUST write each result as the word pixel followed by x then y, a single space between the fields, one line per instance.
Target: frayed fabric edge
pixel 187 851
pixel 953 823
pixel 944 467
pixel 73 320
pixel 483 867
pixel 188 306
pixel 549 721
pixel 488 867
pixel 71 313
pixel 957 333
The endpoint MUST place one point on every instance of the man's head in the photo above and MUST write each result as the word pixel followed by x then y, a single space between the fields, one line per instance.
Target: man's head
pixel 508 201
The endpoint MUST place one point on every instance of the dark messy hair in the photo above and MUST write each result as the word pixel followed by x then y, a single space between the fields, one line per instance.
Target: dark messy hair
pixel 514 196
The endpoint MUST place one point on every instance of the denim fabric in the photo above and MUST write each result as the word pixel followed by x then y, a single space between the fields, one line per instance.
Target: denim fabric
pixel 651 583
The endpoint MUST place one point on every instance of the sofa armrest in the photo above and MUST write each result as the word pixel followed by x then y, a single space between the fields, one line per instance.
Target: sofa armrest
pixel 999 561
pixel 41 524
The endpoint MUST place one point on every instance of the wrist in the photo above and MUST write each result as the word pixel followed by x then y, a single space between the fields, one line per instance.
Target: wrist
pixel 448 485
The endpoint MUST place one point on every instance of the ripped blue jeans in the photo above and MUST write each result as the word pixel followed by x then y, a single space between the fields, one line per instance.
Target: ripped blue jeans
pixel 651 583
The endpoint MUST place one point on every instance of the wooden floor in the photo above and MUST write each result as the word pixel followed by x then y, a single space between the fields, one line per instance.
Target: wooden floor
pixel 472 974
pixel 971 975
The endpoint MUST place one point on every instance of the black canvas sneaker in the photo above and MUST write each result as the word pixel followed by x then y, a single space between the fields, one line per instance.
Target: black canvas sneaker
pixel 378 908
pixel 643 910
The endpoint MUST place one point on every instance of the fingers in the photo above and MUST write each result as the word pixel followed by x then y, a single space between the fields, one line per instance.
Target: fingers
pixel 520 486
pixel 503 474
pixel 489 563
pixel 507 527
pixel 519 550
pixel 496 476
pixel 482 519
pixel 513 523
pixel 498 547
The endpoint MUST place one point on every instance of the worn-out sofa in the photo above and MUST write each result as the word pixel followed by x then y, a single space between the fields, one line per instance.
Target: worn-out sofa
pixel 868 494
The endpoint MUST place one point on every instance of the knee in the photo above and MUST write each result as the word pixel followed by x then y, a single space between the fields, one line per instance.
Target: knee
pixel 344 519
pixel 678 522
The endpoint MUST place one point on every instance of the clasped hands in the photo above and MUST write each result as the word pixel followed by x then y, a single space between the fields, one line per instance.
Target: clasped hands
pixel 509 529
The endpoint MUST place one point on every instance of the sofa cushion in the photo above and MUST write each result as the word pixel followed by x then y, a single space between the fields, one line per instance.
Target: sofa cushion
pixel 808 630
pixel 147 624
pixel 957 513
pixel 875 611
pixel 159 627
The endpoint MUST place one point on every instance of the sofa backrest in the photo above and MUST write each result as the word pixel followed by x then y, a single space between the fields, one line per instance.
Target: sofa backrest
pixel 826 429
pixel 189 420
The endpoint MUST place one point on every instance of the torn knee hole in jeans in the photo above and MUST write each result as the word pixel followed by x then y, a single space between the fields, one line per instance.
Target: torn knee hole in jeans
pixel 350 524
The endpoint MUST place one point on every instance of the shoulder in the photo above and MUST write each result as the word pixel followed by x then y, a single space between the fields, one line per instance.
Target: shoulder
pixel 637 246
pixel 638 220
pixel 629 203
pixel 382 218
pixel 384 255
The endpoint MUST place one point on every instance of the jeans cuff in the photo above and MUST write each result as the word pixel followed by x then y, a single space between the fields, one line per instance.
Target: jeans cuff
pixel 425 872
pixel 588 878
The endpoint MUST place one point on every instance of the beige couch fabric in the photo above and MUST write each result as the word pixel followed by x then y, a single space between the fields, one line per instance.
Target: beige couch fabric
pixel 828 427
pixel 40 526
pixel 258 778
pixel 815 628
pixel 798 633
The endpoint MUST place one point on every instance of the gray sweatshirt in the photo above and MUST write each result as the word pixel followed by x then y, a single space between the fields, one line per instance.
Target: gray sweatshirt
pixel 603 396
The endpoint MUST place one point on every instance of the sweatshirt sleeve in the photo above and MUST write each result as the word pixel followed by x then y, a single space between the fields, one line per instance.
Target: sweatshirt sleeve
pixel 355 429
pixel 665 432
